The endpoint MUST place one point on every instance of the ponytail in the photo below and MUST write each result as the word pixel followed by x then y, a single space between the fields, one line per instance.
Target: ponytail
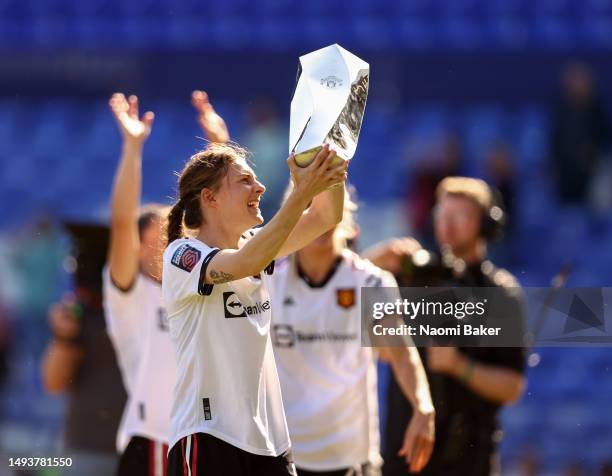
pixel 174 230
pixel 204 169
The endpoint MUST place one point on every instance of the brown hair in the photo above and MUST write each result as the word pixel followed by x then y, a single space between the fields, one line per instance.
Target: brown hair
pixel 474 189
pixel 150 212
pixel 204 169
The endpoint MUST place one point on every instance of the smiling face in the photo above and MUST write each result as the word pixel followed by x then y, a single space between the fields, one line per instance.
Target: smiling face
pixel 238 196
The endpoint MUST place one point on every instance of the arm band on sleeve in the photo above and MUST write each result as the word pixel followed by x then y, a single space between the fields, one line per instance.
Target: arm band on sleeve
pixel 205 289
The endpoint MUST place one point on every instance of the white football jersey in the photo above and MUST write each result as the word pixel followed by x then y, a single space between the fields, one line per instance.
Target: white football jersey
pixel 137 324
pixel 328 379
pixel 227 383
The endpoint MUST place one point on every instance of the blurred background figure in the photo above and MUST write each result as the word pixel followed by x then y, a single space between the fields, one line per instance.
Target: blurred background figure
pixel 80 362
pixel 442 160
pixel 136 320
pixel 580 134
pixel 329 385
pixel 32 275
pixel 606 469
pixel 37 260
pixel 469 385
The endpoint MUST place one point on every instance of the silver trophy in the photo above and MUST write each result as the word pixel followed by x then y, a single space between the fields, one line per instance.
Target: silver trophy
pixel 328 103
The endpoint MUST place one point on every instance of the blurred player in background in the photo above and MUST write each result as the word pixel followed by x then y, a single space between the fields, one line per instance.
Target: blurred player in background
pixel 80 361
pixel 328 378
pixel 228 416
pixel 469 385
pixel 136 318
pixel 581 134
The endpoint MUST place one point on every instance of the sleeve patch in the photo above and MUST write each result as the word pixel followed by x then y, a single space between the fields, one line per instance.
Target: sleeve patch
pixel 205 289
pixel 186 257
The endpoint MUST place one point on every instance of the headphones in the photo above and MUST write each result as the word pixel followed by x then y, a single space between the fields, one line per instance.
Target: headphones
pixel 493 219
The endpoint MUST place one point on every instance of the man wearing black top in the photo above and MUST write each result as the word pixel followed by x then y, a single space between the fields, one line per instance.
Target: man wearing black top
pixel 469 385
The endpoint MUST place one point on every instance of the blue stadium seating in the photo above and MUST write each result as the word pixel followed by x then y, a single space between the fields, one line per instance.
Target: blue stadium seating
pixel 224 24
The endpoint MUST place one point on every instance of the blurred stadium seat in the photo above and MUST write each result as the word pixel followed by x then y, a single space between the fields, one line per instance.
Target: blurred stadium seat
pixel 455 24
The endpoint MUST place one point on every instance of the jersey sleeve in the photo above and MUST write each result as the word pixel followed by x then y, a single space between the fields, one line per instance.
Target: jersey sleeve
pixel 184 270
pixel 379 278
pixel 121 306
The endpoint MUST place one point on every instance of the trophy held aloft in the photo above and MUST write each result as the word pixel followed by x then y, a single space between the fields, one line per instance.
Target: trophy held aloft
pixel 328 103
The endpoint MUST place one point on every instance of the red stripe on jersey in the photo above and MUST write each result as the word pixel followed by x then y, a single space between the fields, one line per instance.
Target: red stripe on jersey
pixel 151 458
pixel 194 459
pixel 184 459
pixel 165 460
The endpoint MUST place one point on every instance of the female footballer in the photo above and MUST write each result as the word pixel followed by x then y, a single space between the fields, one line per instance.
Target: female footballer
pixel 227 416
pixel 328 378
pixel 136 319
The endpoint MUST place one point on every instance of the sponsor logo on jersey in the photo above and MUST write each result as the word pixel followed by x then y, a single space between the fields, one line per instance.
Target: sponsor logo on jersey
pixel 186 257
pixel 345 297
pixel 284 335
pixel 234 308
pixel 206 408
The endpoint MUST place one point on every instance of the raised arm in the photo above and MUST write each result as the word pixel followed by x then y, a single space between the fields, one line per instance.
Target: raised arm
pixel 125 199
pixel 389 254
pixel 326 208
pixel 212 124
pixel 324 213
pixel 265 246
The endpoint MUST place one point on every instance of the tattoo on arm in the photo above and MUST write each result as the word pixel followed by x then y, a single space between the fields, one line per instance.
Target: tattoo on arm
pixel 219 277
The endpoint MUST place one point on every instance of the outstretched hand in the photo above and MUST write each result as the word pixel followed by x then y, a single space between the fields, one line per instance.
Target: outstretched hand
pixel 419 440
pixel 64 318
pixel 389 254
pixel 133 129
pixel 212 124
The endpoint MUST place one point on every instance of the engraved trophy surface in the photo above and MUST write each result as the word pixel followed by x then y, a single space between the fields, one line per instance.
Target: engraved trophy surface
pixel 328 103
